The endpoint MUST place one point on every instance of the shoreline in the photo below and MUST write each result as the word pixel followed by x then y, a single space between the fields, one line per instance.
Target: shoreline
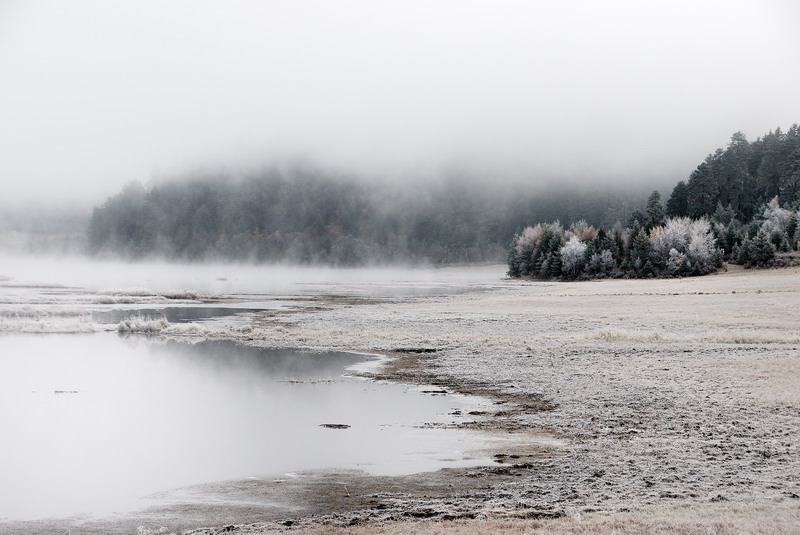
pixel 674 395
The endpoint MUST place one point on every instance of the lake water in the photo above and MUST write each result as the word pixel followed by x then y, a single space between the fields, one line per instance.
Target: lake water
pixel 96 423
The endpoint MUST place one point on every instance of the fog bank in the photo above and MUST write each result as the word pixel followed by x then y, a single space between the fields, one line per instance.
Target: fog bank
pixel 98 94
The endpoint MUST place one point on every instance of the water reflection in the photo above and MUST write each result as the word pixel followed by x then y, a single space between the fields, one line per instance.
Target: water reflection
pixel 93 423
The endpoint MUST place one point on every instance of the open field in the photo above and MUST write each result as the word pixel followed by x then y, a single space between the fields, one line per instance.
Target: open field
pixel 676 402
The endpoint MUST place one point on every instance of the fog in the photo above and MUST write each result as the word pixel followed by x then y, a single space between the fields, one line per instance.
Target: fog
pixel 96 94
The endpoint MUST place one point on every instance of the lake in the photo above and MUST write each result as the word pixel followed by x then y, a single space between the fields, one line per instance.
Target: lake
pixel 96 424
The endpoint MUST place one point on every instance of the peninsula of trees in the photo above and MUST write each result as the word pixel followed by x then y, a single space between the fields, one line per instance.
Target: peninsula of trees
pixel 740 204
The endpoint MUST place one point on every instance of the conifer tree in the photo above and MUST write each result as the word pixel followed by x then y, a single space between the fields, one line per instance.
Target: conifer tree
pixel 654 211
pixel 678 202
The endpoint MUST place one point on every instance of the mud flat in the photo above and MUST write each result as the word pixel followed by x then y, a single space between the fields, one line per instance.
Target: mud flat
pixel 676 404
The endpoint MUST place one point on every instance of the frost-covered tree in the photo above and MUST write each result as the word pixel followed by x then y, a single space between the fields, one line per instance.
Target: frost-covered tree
pixel 776 225
pixel 601 263
pixel 583 230
pixel 763 250
pixel 723 215
pixel 775 217
pixel 676 262
pixel 573 255
pixel 729 237
pixel 534 249
pixel 702 255
pixel 684 246
pixel 676 234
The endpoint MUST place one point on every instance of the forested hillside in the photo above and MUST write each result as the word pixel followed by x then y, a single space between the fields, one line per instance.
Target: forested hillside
pixel 742 204
pixel 307 215
pixel 311 216
pixel 742 177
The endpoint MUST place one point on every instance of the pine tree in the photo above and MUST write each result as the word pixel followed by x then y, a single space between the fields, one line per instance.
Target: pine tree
pixel 639 249
pixel 513 260
pixel 678 203
pixel 654 211
pixel 763 249
pixel 746 253
pixel 791 231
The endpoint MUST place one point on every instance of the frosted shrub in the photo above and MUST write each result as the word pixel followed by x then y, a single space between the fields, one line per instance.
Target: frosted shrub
pixel 572 256
pixel 142 325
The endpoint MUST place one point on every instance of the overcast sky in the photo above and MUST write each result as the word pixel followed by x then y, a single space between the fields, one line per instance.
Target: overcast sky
pixel 94 94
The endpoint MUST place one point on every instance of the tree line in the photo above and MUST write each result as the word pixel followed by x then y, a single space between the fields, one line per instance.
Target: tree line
pixel 741 205
pixel 306 215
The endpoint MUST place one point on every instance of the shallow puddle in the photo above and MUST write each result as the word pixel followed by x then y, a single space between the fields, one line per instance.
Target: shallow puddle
pixel 94 424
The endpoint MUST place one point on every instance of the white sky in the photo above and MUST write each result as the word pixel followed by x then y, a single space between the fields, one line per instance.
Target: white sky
pixel 94 94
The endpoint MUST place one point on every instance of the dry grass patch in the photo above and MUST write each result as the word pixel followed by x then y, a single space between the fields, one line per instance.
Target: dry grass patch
pixel 762 336
pixel 614 335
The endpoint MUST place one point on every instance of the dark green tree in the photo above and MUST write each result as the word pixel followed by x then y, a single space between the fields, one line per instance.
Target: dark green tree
pixel 702 188
pixel 637 217
pixel 678 202
pixel 791 231
pixel 639 249
pixel 654 211
pixel 763 249
pixel 722 215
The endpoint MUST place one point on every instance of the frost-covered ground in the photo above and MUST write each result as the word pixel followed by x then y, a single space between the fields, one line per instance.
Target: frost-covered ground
pixel 671 393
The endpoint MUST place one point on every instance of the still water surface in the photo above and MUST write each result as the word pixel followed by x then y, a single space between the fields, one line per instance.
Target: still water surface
pixel 96 423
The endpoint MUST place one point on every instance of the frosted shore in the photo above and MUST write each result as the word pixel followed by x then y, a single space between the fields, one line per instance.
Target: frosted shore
pixel 673 397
